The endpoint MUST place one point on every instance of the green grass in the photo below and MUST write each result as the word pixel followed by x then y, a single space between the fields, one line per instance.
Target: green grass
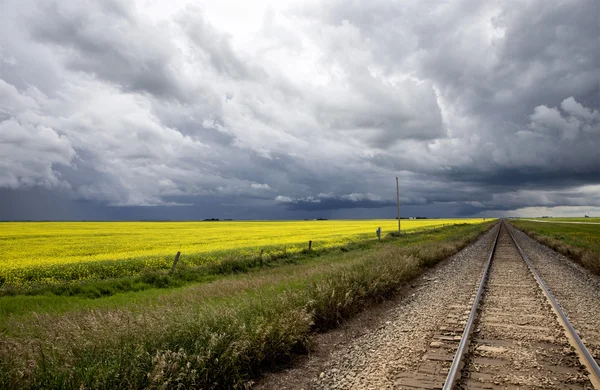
pixel 184 274
pixel 209 335
pixel 577 241
pixel 82 295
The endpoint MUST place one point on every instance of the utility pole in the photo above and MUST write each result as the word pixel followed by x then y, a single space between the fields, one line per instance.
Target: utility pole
pixel 398 202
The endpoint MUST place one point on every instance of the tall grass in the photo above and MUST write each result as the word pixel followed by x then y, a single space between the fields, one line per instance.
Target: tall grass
pixel 218 335
pixel 577 242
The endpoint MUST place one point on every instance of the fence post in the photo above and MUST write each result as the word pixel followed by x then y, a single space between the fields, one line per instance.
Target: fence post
pixel 310 245
pixel 175 261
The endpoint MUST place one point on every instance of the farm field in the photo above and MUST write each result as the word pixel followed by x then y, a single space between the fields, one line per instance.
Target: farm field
pixel 51 252
pixel 219 334
pixel 580 242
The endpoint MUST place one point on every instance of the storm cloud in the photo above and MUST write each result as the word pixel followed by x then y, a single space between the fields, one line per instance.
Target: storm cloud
pixel 143 110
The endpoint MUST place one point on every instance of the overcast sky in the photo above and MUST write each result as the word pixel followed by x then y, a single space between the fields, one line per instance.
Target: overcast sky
pixel 265 109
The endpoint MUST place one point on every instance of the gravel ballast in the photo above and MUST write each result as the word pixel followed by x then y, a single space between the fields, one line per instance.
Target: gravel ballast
pixel 576 290
pixel 394 342
pixel 397 342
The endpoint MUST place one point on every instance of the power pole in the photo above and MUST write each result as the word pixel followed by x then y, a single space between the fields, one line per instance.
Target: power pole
pixel 398 203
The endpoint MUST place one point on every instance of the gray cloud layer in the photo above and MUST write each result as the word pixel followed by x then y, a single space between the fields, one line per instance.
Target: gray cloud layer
pixel 476 106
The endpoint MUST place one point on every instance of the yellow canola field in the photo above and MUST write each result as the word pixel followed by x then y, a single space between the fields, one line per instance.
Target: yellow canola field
pixel 32 252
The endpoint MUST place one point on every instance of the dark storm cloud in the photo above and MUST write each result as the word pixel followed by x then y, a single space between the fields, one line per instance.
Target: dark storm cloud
pixel 474 105
pixel 513 109
pixel 106 39
pixel 523 179
pixel 336 204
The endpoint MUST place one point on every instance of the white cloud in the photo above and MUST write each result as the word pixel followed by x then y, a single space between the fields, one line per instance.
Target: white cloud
pixel 259 186
pixel 356 197
pixel 29 148
pixel 284 199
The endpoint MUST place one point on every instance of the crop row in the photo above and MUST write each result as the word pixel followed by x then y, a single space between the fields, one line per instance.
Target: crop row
pixel 54 252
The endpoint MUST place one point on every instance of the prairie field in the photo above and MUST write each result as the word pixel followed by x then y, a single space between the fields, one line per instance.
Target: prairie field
pixel 580 242
pixel 51 252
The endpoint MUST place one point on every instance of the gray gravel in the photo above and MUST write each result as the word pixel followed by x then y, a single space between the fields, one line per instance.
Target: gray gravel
pixel 518 341
pixel 576 290
pixel 375 360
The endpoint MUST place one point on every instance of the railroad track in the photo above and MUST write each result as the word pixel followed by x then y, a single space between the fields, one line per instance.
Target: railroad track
pixel 508 333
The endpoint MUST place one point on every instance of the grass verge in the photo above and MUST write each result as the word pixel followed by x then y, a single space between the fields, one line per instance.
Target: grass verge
pixel 184 274
pixel 578 242
pixel 214 335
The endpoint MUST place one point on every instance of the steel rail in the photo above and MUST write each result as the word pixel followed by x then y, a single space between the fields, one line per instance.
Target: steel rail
pixel 584 355
pixel 464 340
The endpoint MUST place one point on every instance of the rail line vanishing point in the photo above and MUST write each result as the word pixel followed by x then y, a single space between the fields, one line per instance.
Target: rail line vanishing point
pixel 512 332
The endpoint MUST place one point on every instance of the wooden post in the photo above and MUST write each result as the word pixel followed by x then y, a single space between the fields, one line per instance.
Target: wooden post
pixel 260 256
pixel 398 202
pixel 175 261
pixel 310 245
